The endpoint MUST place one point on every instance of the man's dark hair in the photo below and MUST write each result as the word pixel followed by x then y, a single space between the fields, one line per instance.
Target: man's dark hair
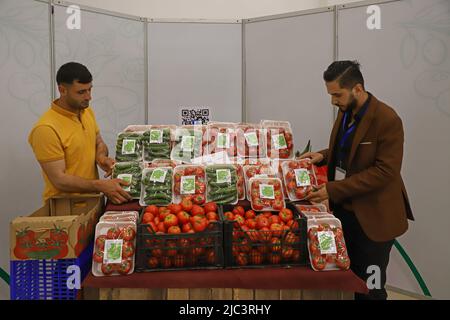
pixel 73 71
pixel 347 74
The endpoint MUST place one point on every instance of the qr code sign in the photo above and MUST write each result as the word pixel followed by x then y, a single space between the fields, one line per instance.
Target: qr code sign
pixel 194 116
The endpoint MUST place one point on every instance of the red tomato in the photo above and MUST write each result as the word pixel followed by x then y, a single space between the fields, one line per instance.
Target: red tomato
pixel 100 242
pixel 210 207
pixel 250 214
pixel 265 234
pixel 211 257
pixel 319 263
pixel 147 217
pixel 286 215
pixel 171 248
pixel 255 257
pixel 179 261
pixel 170 220
pixel 107 269
pixel 186 205
pixel 212 216
pixel 152 209
pixel 174 208
pixel 199 199
pixel 183 217
pixel 287 253
pixel 166 262
pixel 242 259
pixel 127 249
pixel 199 223
pixel 277 204
pixel 197 210
pixel 274 219
pixel 153 262
pixel 186 227
pixel 277 229
pixel 174 230
pixel 127 233
pixel 251 223
pixel 113 233
pixel 98 256
pixel 343 262
pixel 276 245
pixel 274 258
pixel 229 216
pixel 262 222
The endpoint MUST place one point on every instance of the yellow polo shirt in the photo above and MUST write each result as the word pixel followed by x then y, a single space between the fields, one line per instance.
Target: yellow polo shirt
pixel 59 134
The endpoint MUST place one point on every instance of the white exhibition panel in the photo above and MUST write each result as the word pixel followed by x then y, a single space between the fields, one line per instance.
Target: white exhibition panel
pixel 194 66
pixel 113 50
pixel 407 65
pixel 25 92
pixel 285 60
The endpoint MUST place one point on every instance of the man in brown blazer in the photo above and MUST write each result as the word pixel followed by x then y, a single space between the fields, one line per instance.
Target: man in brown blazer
pixel 365 188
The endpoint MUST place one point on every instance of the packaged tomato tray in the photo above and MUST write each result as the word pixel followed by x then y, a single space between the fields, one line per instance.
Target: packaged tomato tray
pixel 268 238
pixel 222 184
pixel 120 216
pixel 157 184
pixel 299 178
pixel 129 146
pixel 132 173
pixel 188 144
pixel 280 141
pixel 114 248
pixel 251 141
pixel 180 236
pixel 276 165
pixel 314 210
pixel 221 137
pixel 157 142
pixel 266 194
pixel 190 182
pixel 326 245
pixel 258 171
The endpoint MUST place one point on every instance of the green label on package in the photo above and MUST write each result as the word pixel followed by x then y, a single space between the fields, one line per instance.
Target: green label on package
pixel 279 141
pixel 128 146
pixel 158 175
pixel 187 143
pixel 223 175
pixel 252 139
pixel 156 136
pixel 187 185
pixel 302 177
pixel 113 251
pixel 128 178
pixel 327 244
pixel 223 140
pixel 266 191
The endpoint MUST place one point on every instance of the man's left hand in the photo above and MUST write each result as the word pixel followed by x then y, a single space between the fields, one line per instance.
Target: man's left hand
pixel 321 194
pixel 106 164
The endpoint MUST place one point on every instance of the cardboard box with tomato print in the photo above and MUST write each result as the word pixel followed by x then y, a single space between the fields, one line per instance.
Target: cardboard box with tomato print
pixel 61 229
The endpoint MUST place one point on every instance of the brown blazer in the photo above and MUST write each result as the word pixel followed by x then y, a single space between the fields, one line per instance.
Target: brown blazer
pixel 373 184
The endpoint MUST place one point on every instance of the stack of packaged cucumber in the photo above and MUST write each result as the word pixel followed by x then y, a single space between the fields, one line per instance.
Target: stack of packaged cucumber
pixel 189 180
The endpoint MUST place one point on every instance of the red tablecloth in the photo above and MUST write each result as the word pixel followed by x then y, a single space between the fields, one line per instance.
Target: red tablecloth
pixel 267 278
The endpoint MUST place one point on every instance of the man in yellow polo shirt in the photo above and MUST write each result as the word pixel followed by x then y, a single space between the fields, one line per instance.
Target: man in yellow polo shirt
pixel 67 142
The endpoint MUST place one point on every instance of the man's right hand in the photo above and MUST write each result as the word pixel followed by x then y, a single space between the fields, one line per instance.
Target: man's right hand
pixel 113 190
pixel 315 157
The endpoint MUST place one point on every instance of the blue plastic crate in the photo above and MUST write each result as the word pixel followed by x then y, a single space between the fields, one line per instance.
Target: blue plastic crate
pixel 47 279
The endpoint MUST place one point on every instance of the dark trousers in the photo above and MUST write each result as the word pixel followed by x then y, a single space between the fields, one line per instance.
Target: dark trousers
pixel 363 253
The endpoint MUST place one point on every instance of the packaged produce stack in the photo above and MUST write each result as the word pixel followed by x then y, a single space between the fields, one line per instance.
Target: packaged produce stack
pixel 115 243
pixel 185 177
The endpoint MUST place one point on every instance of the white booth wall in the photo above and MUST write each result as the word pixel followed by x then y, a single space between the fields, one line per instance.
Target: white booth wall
pixel 412 47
